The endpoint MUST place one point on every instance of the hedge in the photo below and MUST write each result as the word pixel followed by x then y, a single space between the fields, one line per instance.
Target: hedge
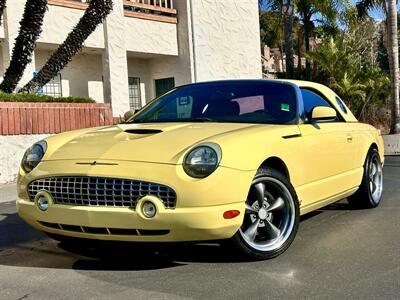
pixel 20 97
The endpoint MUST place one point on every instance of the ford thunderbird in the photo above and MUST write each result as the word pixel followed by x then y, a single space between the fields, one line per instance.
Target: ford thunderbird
pixel 236 160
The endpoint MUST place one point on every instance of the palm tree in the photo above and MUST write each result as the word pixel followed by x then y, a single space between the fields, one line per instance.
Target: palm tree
pixel 287 9
pixel 351 91
pixel 333 58
pixel 389 7
pixel 93 16
pixel 30 29
pixel 307 9
pixel 2 7
pixel 375 81
pixel 394 58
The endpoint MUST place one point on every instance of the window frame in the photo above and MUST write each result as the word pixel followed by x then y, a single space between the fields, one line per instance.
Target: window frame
pixel 339 118
pixel 51 84
pixel 131 101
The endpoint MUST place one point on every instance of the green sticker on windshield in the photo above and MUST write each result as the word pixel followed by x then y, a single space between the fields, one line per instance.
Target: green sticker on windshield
pixel 285 107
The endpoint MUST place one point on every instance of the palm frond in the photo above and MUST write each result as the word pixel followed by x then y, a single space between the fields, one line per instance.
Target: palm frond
pixel 93 16
pixel 29 32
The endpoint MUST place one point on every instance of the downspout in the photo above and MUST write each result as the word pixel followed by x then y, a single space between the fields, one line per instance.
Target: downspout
pixel 193 42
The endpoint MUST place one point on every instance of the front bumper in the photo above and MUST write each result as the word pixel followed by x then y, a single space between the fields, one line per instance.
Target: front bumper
pixel 198 214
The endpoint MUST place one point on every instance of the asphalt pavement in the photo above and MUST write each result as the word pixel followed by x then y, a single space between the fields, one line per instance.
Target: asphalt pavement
pixel 339 253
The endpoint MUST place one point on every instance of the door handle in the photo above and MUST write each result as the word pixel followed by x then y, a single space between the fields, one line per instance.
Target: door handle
pixel 350 138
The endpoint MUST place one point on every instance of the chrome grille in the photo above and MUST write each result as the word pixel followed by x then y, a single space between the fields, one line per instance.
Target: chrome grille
pixel 98 191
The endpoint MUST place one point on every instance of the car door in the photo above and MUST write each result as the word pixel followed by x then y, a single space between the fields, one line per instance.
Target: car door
pixel 327 154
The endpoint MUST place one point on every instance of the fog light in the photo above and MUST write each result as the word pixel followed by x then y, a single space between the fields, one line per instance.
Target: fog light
pixel 43 203
pixel 149 209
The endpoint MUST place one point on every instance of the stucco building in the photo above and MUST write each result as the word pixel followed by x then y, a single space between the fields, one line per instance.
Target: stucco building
pixel 144 48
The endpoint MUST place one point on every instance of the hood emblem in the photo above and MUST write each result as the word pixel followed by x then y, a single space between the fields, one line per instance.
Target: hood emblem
pixel 96 163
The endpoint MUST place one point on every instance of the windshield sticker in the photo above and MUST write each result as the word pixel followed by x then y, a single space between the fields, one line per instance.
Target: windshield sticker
pixel 285 107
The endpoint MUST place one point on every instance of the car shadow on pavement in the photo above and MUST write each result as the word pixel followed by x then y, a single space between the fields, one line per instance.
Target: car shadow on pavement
pixel 21 245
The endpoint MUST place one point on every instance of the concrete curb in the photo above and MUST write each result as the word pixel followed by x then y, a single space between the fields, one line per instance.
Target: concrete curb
pixel 392 144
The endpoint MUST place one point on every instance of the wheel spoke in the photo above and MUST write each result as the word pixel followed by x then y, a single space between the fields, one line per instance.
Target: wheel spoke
pixel 251 231
pixel 250 209
pixel 373 170
pixel 273 231
pixel 260 189
pixel 372 186
pixel 277 204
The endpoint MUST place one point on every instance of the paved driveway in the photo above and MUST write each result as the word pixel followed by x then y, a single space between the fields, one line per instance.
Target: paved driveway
pixel 338 253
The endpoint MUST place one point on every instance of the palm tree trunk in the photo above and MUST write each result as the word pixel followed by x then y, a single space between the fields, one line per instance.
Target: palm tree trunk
pixel 299 38
pixel 287 8
pixel 394 69
pixel 30 29
pixel 2 7
pixel 93 16
pixel 307 33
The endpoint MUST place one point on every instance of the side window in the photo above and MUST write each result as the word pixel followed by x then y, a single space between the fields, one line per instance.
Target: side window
pixel 312 100
pixel 341 105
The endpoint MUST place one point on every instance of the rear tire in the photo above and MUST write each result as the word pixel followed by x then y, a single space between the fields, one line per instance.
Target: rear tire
pixel 271 218
pixel 369 194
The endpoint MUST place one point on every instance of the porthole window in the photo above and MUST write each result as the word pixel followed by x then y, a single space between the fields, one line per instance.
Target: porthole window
pixel 341 105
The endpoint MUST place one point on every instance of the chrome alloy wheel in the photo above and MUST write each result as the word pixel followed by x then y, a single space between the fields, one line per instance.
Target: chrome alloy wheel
pixel 375 175
pixel 270 215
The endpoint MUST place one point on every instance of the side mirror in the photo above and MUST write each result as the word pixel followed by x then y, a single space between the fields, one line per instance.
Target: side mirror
pixel 323 113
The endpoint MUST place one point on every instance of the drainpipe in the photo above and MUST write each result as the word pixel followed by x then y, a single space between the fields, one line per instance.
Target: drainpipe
pixel 193 41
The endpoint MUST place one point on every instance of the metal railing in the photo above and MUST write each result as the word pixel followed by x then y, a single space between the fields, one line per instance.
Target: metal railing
pixel 153 4
pixel 156 10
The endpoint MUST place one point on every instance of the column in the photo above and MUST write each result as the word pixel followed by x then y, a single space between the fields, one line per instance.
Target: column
pixel 115 65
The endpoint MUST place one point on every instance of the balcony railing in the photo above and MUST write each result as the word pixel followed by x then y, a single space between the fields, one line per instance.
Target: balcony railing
pixel 156 10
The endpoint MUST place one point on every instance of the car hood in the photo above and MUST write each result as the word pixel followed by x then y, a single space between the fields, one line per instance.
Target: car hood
pixel 158 143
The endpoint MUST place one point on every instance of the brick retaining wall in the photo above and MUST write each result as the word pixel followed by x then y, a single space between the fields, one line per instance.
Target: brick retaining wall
pixel 46 118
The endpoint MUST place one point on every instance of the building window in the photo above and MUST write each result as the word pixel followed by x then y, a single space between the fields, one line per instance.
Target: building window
pixel 53 87
pixel 164 85
pixel 135 100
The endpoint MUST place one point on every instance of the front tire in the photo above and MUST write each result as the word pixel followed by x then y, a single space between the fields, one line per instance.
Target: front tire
pixel 369 194
pixel 271 218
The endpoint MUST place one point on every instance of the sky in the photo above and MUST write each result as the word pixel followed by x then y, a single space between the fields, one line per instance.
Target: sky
pixel 376 13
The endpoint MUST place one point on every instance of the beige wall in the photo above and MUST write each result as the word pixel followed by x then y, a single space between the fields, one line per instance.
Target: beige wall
pixel 147 36
pixel 82 77
pixel 226 39
pixel 59 21
pixel 139 67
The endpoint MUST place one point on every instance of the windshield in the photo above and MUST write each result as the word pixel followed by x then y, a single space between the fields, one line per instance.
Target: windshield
pixel 237 102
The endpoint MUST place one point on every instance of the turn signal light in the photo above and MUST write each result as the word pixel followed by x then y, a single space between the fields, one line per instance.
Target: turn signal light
pixel 230 214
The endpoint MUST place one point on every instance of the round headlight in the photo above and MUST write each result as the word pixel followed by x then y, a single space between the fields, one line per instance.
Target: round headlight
pixel 33 156
pixel 202 160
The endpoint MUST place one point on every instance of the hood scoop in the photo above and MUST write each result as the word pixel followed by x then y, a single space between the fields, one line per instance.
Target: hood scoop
pixel 143 131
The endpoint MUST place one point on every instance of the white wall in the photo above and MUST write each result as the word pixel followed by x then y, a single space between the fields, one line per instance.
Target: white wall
pixel 59 21
pixel 82 76
pixel 139 67
pixel 148 36
pixel 226 39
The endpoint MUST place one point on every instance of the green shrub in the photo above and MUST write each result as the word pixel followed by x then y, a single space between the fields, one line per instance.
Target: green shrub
pixel 22 97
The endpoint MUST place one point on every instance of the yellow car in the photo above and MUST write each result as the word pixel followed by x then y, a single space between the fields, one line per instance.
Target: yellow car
pixel 238 160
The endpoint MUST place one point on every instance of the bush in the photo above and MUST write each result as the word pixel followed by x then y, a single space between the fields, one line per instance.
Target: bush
pixel 22 97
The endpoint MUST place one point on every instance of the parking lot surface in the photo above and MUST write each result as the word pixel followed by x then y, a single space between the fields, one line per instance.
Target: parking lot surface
pixel 338 253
